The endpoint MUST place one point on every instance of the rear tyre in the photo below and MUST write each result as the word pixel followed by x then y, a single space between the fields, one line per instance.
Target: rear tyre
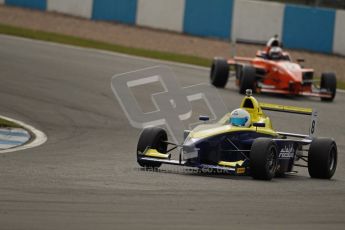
pixel 154 138
pixel 322 158
pixel 219 72
pixel 329 83
pixel 263 159
pixel 247 78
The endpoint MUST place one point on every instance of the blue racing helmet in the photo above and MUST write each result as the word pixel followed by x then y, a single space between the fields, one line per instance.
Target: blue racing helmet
pixel 240 118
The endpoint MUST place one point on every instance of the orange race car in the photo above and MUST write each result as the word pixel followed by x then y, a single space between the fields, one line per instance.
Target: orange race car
pixel 272 71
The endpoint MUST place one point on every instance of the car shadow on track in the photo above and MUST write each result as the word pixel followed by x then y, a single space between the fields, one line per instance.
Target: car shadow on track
pixel 191 172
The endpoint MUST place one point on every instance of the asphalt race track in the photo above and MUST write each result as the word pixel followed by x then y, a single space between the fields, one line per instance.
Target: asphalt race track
pixel 86 177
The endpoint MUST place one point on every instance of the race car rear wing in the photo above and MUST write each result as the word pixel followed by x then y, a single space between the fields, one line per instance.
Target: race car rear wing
pixel 295 110
pixel 286 109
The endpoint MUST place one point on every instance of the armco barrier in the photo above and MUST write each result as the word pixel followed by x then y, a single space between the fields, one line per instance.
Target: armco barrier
pixel 33 4
pixel 208 18
pixel 115 10
pixel 300 27
pixel 80 8
pixel 308 28
pixel 256 21
pixel 339 33
pixel 172 10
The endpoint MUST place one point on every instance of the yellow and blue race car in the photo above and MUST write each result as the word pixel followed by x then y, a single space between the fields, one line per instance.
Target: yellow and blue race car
pixel 243 142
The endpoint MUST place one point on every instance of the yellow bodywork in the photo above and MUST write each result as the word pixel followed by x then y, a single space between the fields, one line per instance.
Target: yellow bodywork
pixel 234 164
pixel 250 104
pixel 255 110
pixel 230 164
pixel 154 153
pixel 285 108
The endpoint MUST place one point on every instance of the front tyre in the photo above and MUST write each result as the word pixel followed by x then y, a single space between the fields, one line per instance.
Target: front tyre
pixel 329 83
pixel 154 138
pixel 219 72
pixel 247 78
pixel 322 158
pixel 263 159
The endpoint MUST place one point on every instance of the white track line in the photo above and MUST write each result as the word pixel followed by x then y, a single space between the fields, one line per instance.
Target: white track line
pixel 39 137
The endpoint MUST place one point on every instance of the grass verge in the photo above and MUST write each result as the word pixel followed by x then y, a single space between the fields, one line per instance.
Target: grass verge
pixel 87 43
pixel 340 85
pixel 76 41
pixel 6 124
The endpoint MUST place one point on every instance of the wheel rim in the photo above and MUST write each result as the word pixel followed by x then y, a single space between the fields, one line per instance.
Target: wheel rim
pixel 271 161
pixel 332 160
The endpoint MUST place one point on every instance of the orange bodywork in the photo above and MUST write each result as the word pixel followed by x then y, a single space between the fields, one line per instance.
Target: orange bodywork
pixel 279 76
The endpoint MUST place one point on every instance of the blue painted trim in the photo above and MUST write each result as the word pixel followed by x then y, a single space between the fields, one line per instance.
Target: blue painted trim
pixel 33 4
pixel 115 10
pixel 14 143
pixel 15 134
pixel 208 18
pixel 303 27
pixel 308 28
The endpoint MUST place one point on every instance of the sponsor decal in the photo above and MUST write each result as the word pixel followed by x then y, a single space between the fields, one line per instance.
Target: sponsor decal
pixel 240 170
pixel 287 151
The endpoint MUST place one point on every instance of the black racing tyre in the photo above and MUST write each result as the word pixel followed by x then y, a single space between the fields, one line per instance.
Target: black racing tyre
pixel 263 159
pixel 247 78
pixel 219 72
pixel 154 138
pixel 329 82
pixel 322 158
pixel 238 70
pixel 280 174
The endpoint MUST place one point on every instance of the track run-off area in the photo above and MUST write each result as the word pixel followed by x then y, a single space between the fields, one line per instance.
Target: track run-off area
pixel 86 176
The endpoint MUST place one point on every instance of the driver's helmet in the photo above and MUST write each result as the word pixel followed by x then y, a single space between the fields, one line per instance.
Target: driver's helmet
pixel 240 118
pixel 275 53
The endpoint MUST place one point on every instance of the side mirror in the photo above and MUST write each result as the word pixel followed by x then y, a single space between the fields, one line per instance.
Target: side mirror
pixel 204 118
pixel 259 124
